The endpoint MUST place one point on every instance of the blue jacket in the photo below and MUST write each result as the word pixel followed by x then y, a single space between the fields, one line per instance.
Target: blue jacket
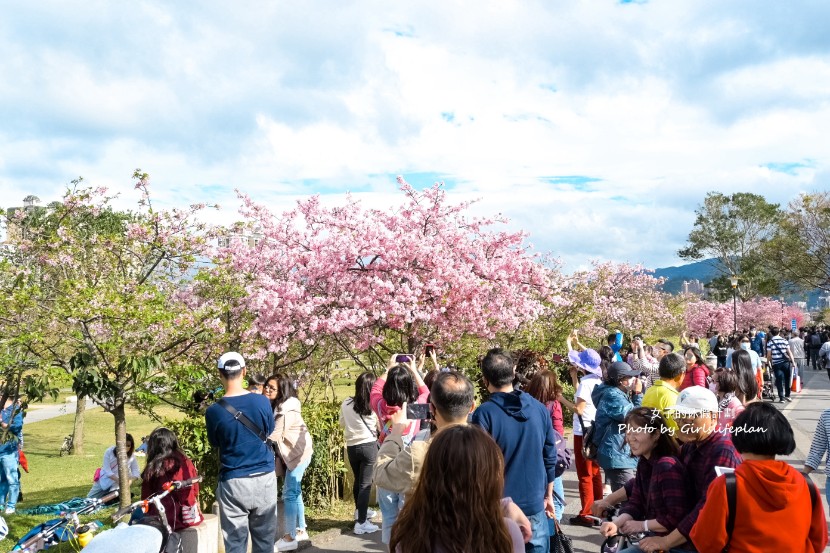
pixel 617 346
pixel 15 429
pixel 612 407
pixel 521 427
pixel 759 344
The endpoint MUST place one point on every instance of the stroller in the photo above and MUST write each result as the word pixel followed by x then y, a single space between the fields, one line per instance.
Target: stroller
pixel 768 389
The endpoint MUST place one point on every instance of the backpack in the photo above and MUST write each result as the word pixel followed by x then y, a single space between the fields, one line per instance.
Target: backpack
pixel 589 448
pixel 732 501
pixel 563 454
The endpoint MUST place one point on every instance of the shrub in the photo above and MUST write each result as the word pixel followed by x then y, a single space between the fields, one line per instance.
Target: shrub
pixel 323 479
pixel 192 434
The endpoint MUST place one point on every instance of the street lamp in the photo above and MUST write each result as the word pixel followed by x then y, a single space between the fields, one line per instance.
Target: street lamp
pixel 734 280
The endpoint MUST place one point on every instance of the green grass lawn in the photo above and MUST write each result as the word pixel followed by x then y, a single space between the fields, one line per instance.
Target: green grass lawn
pixel 53 478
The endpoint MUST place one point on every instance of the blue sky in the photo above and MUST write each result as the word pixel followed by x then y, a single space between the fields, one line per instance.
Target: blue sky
pixel 596 126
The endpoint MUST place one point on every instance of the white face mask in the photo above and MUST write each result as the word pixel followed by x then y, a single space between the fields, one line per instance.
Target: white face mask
pixel 744 345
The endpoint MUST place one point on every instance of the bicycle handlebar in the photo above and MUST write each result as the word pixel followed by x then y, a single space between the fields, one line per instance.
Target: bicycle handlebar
pixel 168 488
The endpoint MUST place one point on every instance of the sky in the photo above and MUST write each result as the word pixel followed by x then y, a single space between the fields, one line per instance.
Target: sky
pixel 596 126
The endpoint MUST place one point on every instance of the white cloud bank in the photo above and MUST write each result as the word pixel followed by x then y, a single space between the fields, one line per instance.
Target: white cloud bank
pixel 650 105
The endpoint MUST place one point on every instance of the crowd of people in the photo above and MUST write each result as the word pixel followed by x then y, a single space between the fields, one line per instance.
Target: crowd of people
pixel 676 449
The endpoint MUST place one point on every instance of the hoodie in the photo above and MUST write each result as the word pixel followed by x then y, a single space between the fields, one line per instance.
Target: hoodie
pixel 521 427
pixel 770 496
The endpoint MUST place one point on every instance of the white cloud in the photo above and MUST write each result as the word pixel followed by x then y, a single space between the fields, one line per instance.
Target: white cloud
pixel 660 102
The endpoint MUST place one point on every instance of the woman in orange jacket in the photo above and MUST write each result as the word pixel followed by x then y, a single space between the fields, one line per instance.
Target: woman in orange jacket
pixel 775 509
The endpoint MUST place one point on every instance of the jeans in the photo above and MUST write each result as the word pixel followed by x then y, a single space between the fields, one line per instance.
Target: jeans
pixel 292 499
pixel 9 479
pixel 248 504
pixel 540 537
pixel 814 357
pixel 390 504
pixel 783 377
pixel 362 458
pixel 590 479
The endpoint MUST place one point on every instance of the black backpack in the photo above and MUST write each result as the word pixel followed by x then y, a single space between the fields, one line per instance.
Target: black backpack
pixel 732 502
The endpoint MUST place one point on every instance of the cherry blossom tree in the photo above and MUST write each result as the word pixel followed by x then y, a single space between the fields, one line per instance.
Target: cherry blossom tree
pixel 118 296
pixel 375 280
pixel 703 316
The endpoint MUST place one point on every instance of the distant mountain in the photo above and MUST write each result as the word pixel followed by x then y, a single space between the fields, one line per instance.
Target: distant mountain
pixel 704 271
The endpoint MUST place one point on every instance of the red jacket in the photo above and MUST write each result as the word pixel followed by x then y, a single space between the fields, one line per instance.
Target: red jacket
pixel 696 376
pixel 773 512
pixel 182 506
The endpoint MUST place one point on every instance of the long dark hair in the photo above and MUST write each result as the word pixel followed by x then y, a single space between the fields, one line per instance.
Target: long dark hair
pixel 162 458
pixel 362 390
pixel 696 351
pixel 400 386
pixel 654 421
pixel 747 385
pixel 457 510
pixel 285 390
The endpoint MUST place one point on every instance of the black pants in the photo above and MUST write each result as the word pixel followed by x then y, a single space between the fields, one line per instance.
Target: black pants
pixel 362 458
pixel 783 374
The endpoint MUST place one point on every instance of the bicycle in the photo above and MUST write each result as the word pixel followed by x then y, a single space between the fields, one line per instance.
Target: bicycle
pixel 50 533
pixel 170 541
pixel 68 445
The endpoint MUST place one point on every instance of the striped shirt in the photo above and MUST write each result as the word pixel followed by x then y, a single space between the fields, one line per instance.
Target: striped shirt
pixel 777 348
pixel 821 444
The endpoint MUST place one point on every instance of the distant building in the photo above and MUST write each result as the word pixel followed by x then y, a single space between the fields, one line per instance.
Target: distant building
pixel 238 233
pixel 693 287
pixel 13 230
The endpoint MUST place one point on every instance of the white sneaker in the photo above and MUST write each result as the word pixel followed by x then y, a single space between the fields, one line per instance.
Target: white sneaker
pixel 370 513
pixel 365 528
pixel 9 510
pixel 301 535
pixel 284 545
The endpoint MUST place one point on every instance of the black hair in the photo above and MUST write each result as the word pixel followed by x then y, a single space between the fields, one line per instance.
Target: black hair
pixel 362 390
pixel 231 375
pixel 400 387
pixel 612 338
pixel 668 343
pixel 698 357
pixel 726 380
pixel 671 366
pixel 497 367
pixel 130 440
pixel 285 390
pixel 763 430
pixel 654 421
pixel 162 446
pixel 257 379
pixel 774 330
pixel 429 378
pixel 452 395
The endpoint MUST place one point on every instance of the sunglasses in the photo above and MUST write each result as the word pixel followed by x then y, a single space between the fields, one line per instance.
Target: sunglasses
pixel 269 388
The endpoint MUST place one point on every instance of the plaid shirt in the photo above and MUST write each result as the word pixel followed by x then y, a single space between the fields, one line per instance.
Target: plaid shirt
pixel 659 492
pixel 700 460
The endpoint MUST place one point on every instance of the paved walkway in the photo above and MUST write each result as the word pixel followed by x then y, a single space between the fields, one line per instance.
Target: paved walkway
pixel 803 414
pixel 39 412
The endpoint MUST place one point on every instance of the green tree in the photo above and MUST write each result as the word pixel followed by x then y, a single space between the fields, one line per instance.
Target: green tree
pixel 800 248
pixel 732 231
pixel 123 304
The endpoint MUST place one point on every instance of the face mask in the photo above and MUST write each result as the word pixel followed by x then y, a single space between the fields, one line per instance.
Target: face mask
pixel 744 346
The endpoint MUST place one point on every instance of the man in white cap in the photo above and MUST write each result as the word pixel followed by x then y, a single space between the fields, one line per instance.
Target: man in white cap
pixel 696 414
pixel 247 493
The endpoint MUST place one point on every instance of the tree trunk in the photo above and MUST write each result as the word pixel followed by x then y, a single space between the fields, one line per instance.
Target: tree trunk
pixel 78 428
pixel 121 452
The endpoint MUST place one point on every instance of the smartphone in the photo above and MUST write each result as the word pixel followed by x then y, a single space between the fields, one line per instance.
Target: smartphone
pixel 403 358
pixel 429 349
pixel 418 411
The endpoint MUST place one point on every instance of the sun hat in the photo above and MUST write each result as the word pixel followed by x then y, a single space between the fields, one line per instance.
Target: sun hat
pixel 588 360
pixel 695 400
pixel 231 361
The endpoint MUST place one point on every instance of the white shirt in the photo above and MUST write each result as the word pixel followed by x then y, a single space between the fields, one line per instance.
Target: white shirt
pixel 583 392
pixel 797 347
pixel 109 469
pixel 358 430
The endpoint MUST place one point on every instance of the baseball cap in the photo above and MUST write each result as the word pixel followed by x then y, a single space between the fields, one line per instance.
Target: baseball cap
pixel 231 361
pixel 621 369
pixel 695 400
